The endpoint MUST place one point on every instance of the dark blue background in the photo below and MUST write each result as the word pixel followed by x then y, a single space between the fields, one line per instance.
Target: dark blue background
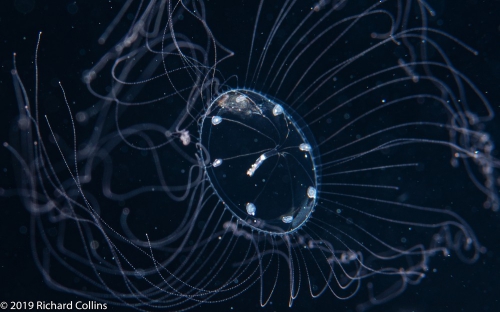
pixel 69 45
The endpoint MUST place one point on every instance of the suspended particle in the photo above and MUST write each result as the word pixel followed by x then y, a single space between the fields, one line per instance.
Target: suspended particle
pixel 185 137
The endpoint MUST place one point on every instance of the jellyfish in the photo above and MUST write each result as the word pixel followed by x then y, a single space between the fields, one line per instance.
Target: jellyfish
pixel 271 154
